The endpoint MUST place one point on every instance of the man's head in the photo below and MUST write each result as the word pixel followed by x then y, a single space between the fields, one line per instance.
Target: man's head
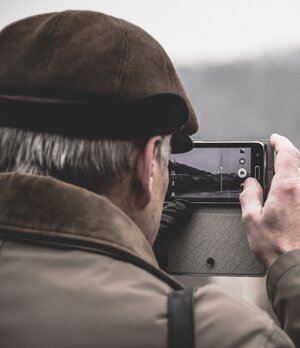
pixel 131 174
pixel 92 100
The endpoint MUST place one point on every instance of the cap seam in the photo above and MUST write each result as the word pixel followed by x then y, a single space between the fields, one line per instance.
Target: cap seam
pixel 168 73
pixel 124 47
pixel 55 26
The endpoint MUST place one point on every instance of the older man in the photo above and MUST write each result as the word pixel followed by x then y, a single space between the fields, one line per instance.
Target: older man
pixel 89 105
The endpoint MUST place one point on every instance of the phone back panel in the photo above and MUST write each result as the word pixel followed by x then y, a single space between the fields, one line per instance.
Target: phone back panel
pixel 214 242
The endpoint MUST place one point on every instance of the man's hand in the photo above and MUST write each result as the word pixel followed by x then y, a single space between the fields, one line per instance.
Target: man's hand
pixel 274 227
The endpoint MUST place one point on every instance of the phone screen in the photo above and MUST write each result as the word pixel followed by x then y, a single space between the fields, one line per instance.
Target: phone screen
pixel 213 173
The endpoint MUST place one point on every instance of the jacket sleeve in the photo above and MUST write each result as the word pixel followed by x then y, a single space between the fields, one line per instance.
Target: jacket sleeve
pixel 283 287
pixel 225 320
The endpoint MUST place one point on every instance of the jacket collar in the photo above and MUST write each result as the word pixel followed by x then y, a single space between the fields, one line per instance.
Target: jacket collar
pixel 47 206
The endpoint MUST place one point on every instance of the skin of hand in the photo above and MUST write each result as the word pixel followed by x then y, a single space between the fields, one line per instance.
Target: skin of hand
pixel 273 226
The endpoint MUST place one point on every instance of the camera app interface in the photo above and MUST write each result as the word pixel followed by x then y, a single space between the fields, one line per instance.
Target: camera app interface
pixel 207 174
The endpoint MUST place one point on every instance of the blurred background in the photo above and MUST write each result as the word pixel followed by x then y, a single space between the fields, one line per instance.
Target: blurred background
pixel 239 61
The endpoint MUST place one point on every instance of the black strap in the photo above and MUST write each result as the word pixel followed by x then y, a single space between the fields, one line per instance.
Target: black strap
pixel 181 331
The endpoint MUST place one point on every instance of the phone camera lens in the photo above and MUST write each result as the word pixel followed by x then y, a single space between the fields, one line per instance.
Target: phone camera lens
pixel 242 161
pixel 257 154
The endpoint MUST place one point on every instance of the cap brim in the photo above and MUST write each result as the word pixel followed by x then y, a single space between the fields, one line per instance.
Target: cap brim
pixel 181 142
pixel 134 119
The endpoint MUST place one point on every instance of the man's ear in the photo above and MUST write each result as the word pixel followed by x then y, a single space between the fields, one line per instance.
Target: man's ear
pixel 146 165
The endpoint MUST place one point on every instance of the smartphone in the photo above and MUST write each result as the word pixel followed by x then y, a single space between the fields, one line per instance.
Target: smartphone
pixel 215 171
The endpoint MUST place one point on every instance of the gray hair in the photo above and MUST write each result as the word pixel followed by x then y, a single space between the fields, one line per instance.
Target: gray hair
pixel 92 164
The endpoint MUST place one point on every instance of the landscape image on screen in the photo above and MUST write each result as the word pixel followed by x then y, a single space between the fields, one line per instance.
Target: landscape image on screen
pixel 208 173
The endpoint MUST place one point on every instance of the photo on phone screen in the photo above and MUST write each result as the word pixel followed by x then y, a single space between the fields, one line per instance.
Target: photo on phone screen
pixel 214 172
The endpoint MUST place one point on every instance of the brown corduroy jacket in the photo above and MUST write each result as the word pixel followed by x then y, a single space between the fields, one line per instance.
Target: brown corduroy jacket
pixel 59 292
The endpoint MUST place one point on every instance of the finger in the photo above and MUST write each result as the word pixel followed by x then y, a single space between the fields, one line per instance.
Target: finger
pixel 251 200
pixel 177 207
pixel 175 215
pixel 288 156
pixel 279 142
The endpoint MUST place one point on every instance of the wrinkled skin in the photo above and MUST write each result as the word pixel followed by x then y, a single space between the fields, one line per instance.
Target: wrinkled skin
pixel 274 226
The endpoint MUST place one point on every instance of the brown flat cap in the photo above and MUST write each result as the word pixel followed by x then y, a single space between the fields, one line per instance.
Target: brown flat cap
pixel 90 75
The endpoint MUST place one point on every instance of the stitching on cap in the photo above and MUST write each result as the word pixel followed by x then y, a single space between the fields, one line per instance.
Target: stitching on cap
pixel 168 66
pixel 1 245
pixel 55 26
pixel 124 47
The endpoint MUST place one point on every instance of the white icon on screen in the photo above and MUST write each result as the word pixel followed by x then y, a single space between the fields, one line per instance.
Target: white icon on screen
pixel 242 173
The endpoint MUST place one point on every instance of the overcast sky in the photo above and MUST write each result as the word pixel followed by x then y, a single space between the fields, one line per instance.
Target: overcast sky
pixel 192 30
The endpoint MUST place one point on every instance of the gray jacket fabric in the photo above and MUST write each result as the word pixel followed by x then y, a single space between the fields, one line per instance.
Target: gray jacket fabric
pixel 56 295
